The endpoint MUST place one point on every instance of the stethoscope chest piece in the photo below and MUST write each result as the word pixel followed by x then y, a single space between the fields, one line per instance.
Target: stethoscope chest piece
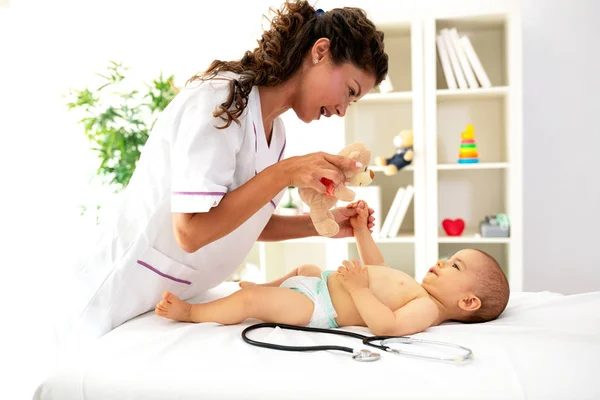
pixel 365 355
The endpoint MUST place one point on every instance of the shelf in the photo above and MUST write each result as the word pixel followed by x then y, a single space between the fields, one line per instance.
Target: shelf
pixel 402 238
pixel 457 167
pixel 470 237
pixel 474 22
pixel 392 97
pixel 377 168
pixel 470 94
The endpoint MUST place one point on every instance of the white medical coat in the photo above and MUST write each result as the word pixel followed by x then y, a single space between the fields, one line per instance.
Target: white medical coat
pixel 186 166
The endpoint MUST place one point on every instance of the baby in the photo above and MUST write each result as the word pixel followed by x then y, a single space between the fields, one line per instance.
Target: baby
pixel 468 287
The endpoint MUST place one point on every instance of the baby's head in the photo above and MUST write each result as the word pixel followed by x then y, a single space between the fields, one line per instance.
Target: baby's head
pixel 470 286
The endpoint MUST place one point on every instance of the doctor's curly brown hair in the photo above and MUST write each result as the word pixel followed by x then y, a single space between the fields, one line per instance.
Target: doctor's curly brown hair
pixel 293 31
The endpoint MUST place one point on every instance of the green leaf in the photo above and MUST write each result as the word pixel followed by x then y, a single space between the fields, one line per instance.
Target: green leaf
pixel 117 132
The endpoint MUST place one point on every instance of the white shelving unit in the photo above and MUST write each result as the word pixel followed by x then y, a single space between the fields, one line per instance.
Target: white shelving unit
pixel 443 188
pixel 472 191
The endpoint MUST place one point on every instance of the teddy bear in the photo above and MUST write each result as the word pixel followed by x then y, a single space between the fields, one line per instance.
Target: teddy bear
pixel 320 203
pixel 404 154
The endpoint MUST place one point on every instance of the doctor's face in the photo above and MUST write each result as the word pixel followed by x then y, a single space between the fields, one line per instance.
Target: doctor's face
pixel 327 89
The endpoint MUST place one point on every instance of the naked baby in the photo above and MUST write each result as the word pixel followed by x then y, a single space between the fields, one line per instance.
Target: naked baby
pixel 468 287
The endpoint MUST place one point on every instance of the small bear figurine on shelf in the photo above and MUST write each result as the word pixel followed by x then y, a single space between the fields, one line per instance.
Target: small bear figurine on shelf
pixel 403 157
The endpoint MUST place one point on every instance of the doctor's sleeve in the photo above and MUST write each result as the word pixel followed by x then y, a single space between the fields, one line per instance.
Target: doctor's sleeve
pixel 203 158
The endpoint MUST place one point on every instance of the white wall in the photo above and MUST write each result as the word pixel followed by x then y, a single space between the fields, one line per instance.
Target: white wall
pixel 45 164
pixel 47 47
pixel 561 78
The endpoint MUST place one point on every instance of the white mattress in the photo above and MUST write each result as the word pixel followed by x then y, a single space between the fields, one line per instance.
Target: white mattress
pixel 544 346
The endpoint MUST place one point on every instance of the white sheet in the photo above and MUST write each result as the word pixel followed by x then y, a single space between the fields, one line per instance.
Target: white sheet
pixel 544 346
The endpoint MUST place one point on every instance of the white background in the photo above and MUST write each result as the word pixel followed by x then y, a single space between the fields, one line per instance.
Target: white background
pixel 47 47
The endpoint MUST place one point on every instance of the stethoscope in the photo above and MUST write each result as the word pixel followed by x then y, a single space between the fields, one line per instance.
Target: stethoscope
pixel 363 354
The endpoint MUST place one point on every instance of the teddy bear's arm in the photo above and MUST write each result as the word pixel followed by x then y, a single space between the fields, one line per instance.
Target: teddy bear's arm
pixel 343 193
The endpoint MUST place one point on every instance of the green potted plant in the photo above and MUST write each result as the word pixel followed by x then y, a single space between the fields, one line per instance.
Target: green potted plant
pixel 117 120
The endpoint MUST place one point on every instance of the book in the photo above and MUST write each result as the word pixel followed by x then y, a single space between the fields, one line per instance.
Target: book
pixel 458 73
pixel 401 212
pixel 475 62
pixel 462 59
pixel 445 62
pixel 385 228
pixel 372 195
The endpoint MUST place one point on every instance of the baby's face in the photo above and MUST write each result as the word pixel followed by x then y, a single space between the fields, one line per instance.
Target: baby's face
pixel 450 280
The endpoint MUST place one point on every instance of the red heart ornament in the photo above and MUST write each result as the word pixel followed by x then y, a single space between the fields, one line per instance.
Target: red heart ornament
pixel 453 227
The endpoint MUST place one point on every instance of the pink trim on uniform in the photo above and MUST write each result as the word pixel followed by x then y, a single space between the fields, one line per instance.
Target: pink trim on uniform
pixel 143 264
pixel 255 139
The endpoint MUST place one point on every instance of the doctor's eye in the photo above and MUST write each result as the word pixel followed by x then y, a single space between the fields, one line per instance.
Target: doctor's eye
pixel 352 92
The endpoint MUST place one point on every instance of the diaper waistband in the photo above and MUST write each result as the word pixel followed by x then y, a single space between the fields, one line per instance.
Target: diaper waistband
pixel 323 291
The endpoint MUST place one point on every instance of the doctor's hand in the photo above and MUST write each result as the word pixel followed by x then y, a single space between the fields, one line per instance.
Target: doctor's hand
pixel 308 170
pixel 344 216
pixel 353 276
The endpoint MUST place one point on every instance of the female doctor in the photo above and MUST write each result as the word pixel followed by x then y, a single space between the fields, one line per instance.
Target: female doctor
pixel 212 170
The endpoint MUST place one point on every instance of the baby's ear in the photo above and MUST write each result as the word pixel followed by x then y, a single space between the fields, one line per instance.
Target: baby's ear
pixel 470 303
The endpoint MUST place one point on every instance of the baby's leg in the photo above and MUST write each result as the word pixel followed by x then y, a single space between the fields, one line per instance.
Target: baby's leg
pixel 269 304
pixel 303 270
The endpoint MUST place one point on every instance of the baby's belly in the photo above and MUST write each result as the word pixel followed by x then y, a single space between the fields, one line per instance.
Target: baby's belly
pixel 343 304
pixel 390 291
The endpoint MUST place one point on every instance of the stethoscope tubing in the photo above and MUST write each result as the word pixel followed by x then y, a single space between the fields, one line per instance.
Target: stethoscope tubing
pixel 366 340
pixel 301 328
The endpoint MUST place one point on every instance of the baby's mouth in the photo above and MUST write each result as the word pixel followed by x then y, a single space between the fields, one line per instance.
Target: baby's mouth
pixel 432 270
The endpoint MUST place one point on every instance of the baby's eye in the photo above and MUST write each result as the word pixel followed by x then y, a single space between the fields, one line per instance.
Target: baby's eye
pixel 455 266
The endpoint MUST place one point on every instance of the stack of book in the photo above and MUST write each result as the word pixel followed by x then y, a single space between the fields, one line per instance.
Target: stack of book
pixel 460 64
pixel 395 216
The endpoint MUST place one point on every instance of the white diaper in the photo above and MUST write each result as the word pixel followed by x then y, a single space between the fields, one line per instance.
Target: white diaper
pixel 316 290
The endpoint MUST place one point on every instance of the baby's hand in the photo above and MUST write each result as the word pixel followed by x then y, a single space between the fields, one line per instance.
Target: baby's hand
pixel 353 276
pixel 361 219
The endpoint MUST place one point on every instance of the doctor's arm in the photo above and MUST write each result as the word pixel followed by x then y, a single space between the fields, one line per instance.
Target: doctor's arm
pixel 195 230
pixel 285 227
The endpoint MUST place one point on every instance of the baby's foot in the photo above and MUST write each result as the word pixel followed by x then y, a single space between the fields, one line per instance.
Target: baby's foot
pixel 173 307
pixel 244 284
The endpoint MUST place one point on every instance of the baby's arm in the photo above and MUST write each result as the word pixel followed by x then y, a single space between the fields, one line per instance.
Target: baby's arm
pixel 416 316
pixel 367 248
